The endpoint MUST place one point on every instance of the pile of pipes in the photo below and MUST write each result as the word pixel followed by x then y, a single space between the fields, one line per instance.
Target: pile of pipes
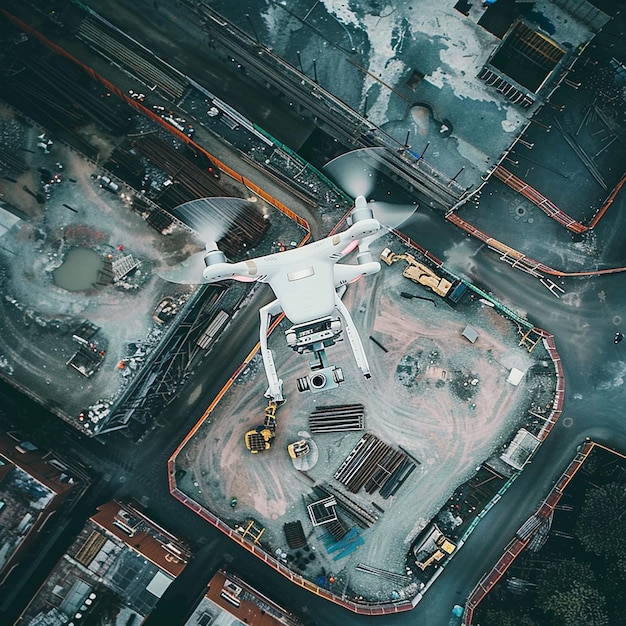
pixel 374 465
pixel 336 418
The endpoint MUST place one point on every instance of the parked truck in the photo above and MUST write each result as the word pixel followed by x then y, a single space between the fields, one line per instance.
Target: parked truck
pixel 108 184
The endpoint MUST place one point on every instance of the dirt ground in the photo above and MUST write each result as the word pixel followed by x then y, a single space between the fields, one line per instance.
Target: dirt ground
pixel 37 317
pixel 444 400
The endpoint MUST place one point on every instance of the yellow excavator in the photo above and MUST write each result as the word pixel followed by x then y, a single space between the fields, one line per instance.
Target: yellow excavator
pixel 417 272
pixel 298 449
pixel 260 438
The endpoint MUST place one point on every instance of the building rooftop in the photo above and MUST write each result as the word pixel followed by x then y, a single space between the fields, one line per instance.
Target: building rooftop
pixel 33 484
pixel 121 559
pixel 425 65
pixel 230 601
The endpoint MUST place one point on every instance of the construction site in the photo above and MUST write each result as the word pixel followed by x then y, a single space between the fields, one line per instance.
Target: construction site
pixel 317 482
pixel 87 227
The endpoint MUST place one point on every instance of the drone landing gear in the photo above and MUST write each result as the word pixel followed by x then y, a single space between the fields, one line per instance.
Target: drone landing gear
pixel 314 336
pixel 275 388
pixel 353 337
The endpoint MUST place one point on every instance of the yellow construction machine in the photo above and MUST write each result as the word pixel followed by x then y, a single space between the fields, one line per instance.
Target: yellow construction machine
pixel 298 449
pixel 418 272
pixel 444 548
pixel 260 438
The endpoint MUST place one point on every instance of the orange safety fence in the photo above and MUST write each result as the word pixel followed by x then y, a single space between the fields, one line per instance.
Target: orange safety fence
pixel 538 199
pixel 559 393
pixel 609 201
pixel 520 258
pixel 263 194
pixel 356 607
pixel 515 547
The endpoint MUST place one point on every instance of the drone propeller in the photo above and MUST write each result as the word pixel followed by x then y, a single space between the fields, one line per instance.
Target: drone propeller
pixel 189 272
pixel 210 219
pixel 392 215
pixel 355 172
pixel 359 173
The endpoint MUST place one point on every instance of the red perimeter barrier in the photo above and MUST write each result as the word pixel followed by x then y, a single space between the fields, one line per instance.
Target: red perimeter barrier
pixel 517 545
pixel 549 208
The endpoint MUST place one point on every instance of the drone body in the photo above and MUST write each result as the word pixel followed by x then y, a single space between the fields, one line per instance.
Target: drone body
pixel 303 279
pixel 305 282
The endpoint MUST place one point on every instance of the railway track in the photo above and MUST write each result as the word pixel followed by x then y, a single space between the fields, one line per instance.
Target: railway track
pixel 57 95
pixel 339 119
pixel 117 47
pixel 246 225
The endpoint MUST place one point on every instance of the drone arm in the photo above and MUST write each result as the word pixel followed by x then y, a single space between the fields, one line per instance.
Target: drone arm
pixel 353 338
pixel 363 228
pixel 244 271
pixel 275 389
pixel 346 273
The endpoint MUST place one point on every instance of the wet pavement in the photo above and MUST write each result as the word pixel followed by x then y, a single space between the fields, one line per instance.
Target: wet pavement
pixel 592 115
pixel 551 165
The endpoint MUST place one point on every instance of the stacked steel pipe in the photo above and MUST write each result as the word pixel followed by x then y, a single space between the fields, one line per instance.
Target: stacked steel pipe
pixel 370 464
pixel 336 418
pixel 356 512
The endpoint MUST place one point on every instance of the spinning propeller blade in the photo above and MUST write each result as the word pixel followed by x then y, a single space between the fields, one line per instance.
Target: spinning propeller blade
pixel 361 173
pixel 210 219
pixel 392 215
pixel 189 272
pixel 355 172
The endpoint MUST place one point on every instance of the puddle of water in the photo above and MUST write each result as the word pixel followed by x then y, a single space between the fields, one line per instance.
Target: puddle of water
pixel 79 271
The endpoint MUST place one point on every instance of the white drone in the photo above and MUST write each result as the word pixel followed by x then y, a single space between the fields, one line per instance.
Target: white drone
pixel 304 280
